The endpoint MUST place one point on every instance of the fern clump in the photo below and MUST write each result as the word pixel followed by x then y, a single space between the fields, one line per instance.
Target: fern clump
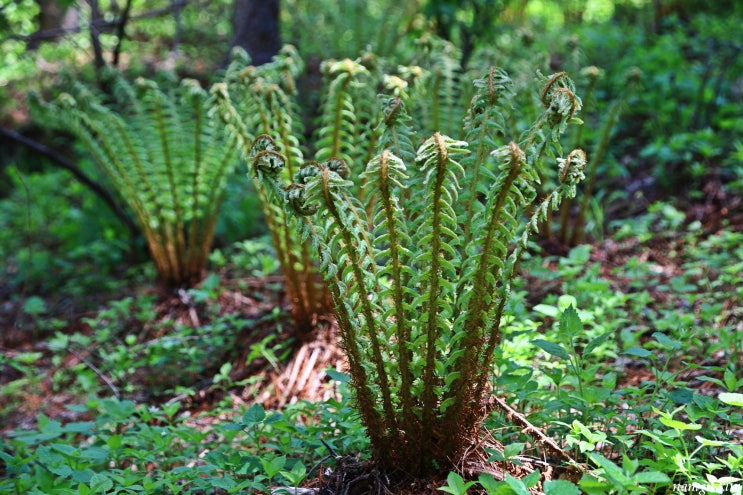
pixel 420 271
pixel 165 157
pixel 253 101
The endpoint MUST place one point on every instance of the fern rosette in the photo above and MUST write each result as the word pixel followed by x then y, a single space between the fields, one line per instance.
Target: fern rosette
pixel 420 268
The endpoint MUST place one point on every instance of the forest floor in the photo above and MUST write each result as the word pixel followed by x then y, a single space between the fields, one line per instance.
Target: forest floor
pixel 301 373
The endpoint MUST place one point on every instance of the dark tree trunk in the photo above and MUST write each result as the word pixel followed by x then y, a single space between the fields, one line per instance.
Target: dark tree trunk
pixel 95 39
pixel 256 27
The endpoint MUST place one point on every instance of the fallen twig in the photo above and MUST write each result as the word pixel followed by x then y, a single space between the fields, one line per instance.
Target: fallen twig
pixel 98 372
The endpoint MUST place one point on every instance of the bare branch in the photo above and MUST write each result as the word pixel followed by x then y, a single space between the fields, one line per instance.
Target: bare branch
pixel 95 40
pixel 64 163
pixel 102 25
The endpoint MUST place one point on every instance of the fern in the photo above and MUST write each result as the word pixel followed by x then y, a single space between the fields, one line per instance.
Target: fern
pixel 395 131
pixel 257 107
pixel 164 156
pixel 262 101
pixel 421 269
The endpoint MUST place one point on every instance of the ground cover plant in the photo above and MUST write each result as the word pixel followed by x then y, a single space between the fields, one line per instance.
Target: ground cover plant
pixel 619 350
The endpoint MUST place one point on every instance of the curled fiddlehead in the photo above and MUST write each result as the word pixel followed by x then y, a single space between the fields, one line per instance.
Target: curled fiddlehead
pixel 559 99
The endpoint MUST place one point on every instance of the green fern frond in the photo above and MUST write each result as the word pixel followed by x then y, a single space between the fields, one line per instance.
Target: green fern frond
pixel 340 131
pixel 395 131
pixel 438 229
pixel 349 246
pixel 386 173
pixel 443 99
pixel 484 125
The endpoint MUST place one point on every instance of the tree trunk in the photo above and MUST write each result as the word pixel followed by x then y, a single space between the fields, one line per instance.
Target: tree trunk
pixel 256 28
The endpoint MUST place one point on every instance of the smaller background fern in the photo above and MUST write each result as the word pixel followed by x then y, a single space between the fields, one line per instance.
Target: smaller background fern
pixel 165 157
pixel 261 101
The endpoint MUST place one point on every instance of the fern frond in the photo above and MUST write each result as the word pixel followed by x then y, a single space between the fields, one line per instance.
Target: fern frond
pixel 395 131
pixel 225 111
pixel 438 275
pixel 494 227
pixel 349 247
pixel 386 173
pixel 484 124
pixel 260 100
pixel 338 128
pixel 560 105
pixel 316 185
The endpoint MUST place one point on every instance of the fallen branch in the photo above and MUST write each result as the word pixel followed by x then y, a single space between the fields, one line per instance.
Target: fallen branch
pixel 64 163
pixel 542 439
pixel 98 372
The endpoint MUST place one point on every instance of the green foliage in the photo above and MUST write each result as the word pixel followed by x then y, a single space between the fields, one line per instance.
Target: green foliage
pixel 456 485
pixel 681 117
pixel 610 359
pixel 466 22
pixel 18 18
pixel 509 486
pixel 134 449
pixel 586 381
pixel 51 225
pixel 132 351
pixel 620 479
pixel 264 100
pixel 419 309
pixel 164 156
pixel 327 29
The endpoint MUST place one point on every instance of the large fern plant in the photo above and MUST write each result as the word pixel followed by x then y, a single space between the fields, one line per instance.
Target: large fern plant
pixel 420 271
pixel 164 155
